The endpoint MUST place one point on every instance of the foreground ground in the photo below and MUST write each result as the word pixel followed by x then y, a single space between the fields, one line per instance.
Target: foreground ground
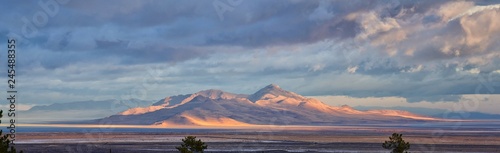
pixel 275 147
pixel 344 139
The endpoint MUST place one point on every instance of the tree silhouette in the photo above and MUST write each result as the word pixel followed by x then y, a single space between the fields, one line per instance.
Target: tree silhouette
pixel 5 141
pixel 191 145
pixel 396 144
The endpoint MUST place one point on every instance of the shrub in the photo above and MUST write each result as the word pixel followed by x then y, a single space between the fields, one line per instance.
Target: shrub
pixel 191 145
pixel 396 144
pixel 5 143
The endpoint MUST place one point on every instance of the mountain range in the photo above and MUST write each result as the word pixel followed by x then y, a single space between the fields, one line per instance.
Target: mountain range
pixel 78 110
pixel 438 113
pixel 270 105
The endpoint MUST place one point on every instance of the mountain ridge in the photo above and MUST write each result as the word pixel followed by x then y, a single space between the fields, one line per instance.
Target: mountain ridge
pixel 269 105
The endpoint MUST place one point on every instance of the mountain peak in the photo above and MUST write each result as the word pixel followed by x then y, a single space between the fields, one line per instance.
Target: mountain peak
pixel 346 107
pixel 273 86
pixel 273 90
pixel 210 91
pixel 217 94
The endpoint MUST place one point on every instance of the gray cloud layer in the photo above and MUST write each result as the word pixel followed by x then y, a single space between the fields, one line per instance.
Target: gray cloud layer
pixel 420 50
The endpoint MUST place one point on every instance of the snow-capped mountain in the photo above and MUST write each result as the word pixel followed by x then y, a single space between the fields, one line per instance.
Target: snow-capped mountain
pixel 270 105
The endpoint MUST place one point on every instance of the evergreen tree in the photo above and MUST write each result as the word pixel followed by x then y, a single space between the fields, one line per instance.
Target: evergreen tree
pixel 5 141
pixel 191 145
pixel 396 144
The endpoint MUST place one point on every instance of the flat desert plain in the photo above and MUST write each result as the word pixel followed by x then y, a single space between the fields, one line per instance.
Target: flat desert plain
pixel 464 139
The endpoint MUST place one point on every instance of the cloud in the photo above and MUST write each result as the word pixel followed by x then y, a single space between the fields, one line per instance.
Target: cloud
pixel 317 67
pixel 423 50
pixel 476 9
pixel 474 71
pixel 452 10
pixel 372 24
pixel 352 69
pixel 465 103
pixel 414 69
pixel 321 12
pixel 478 28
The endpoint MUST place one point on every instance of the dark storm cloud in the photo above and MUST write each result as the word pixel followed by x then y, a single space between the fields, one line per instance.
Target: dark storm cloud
pixel 260 23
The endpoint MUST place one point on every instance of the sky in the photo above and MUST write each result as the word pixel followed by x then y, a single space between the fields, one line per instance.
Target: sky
pixel 421 53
